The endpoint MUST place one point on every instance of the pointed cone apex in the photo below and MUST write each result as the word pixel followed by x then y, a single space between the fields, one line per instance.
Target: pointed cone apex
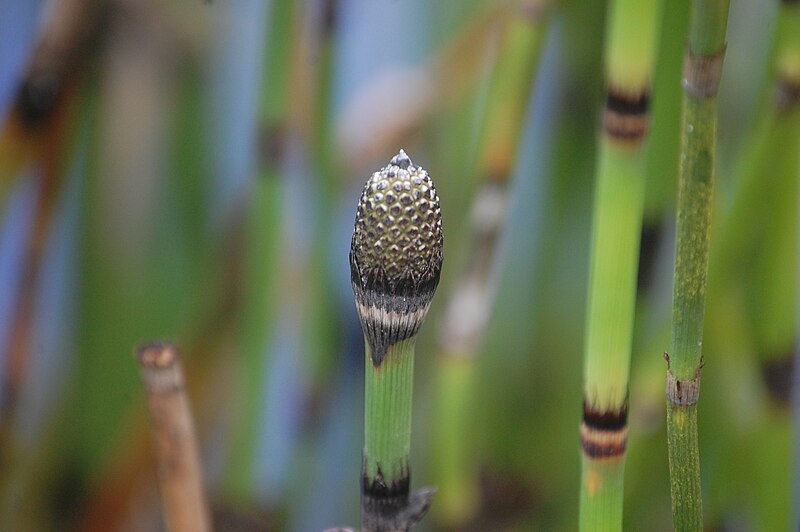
pixel 396 251
pixel 402 160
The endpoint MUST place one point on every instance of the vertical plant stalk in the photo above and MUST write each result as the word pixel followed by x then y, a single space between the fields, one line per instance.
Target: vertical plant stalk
pixel 36 132
pixel 702 69
pixel 258 288
pixel 180 476
pixel 632 35
pixel 395 263
pixel 757 241
pixel 42 104
pixel 771 179
pixel 472 299
pixel 759 229
pixel 786 110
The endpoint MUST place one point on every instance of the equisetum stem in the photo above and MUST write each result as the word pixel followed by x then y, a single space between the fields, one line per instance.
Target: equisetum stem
pixel 769 190
pixel 787 106
pixel 180 476
pixel 472 299
pixel 632 31
pixel 261 255
pixel 770 182
pixel 387 415
pixel 705 52
pixel 387 503
pixel 395 263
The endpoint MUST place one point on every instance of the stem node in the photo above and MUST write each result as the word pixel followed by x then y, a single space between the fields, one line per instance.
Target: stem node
pixel 701 73
pixel 683 392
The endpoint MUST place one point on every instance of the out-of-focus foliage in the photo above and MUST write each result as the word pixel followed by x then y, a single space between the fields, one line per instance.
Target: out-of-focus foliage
pixel 190 170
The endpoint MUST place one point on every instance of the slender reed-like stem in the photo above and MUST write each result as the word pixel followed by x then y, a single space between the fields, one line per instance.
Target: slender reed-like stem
pixel 260 262
pixel 770 184
pixel 771 179
pixel 757 240
pixel 705 52
pixel 472 299
pixel 179 472
pixel 632 34
pixel 42 99
pixel 395 263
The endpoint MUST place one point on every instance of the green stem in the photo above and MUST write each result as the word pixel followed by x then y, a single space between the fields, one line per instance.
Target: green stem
pixel 395 264
pixel 387 414
pixel 612 294
pixel 695 191
pixel 387 505
pixel 513 75
pixel 761 227
pixel 619 201
pixel 707 26
pixel 472 299
pixel 601 494
pixel 684 468
pixel 455 465
pixel 258 309
pixel 702 68
pixel 261 231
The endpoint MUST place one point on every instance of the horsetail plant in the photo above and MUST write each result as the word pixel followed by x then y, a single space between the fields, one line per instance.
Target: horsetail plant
pixel 756 240
pixel 771 178
pixel 472 299
pixel 618 204
pixel 395 263
pixel 702 68
pixel 787 103
pixel 765 210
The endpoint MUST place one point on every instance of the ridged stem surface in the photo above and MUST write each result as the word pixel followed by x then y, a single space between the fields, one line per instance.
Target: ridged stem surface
pixel 684 468
pixel 387 413
pixel 702 69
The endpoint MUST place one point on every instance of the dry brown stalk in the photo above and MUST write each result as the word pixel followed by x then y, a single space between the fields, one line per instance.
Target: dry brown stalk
pixel 180 476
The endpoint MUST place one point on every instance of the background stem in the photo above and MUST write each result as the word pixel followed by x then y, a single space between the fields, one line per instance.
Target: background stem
pixel 179 473
pixel 472 298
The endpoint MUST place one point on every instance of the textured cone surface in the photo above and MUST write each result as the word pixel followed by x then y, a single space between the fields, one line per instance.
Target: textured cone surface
pixel 396 252
pixel 398 228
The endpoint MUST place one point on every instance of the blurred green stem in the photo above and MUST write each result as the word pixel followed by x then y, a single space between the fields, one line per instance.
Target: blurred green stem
pixel 471 302
pixel 262 239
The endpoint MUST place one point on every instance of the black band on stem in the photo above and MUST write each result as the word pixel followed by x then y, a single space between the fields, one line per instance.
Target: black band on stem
pixel 605 419
pixel 390 312
pixel 787 92
pixel 777 374
pixel 389 506
pixel 395 253
pixel 604 434
pixel 626 117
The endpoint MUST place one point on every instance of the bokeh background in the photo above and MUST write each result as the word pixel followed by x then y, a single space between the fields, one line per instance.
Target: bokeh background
pixel 189 170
